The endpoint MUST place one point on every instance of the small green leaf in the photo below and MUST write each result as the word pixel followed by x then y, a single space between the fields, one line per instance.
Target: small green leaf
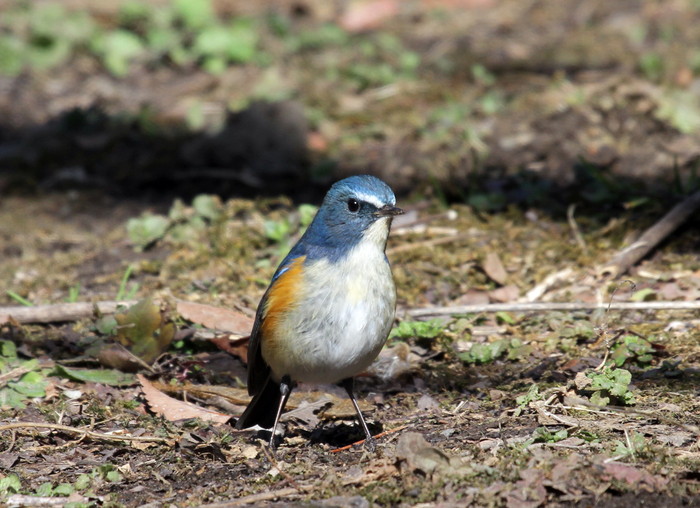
pixel 306 214
pixel 113 476
pixel 194 13
pixel 105 376
pixel 277 230
pixel 505 317
pixel 8 350
pixel 106 325
pixel 44 490
pixel 10 484
pixel 420 329
pixel 83 481
pixel 644 295
pixel 145 230
pixel 63 489
pixel 31 385
pixel 207 206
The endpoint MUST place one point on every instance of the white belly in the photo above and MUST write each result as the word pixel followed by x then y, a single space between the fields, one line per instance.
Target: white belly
pixel 343 321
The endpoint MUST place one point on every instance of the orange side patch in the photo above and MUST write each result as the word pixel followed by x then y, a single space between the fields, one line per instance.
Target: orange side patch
pixel 280 298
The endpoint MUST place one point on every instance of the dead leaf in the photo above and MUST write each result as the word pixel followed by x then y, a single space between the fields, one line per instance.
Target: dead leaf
pixel 216 318
pixel 362 15
pixel 509 293
pixel 236 346
pixel 426 402
pixel 582 381
pixel 174 410
pixel 145 330
pixel 633 477
pixel 493 267
pixel 529 492
pixel 413 449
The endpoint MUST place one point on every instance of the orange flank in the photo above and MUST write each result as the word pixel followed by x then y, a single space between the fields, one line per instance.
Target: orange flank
pixel 279 299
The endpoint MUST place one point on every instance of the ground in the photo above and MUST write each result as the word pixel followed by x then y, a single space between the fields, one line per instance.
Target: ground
pixel 529 142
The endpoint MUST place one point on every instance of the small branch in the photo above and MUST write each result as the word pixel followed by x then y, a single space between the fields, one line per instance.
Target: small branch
pixel 59 312
pixel 550 306
pixel 651 237
pixel 14 373
pixel 361 441
pixel 83 432
pixel 260 497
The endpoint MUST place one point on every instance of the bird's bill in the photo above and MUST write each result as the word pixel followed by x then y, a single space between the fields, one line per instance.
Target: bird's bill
pixel 388 211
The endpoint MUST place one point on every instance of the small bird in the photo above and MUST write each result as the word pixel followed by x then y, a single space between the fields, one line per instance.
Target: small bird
pixel 330 306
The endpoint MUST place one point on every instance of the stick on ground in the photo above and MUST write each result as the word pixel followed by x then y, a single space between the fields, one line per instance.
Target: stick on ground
pixel 652 237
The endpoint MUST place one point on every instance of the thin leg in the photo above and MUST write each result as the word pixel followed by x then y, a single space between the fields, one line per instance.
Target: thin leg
pixel 286 390
pixel 348 385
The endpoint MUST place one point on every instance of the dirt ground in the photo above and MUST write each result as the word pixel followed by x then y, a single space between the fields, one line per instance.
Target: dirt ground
pixel 529 141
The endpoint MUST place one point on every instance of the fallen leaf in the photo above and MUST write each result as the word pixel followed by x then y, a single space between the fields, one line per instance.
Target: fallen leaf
pixel 237 347
pixel 509 293
pixel 145 330
pixel 216 318
pixel 362 15
pixel 250 452
pixel 633 477
pixel 416 452
pixel 493 267
pixel 174 410
pixel 529 492
pixel 426 402
pixel 109 377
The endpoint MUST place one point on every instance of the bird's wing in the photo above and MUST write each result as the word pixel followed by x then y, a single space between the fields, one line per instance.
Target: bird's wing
pixel 278 297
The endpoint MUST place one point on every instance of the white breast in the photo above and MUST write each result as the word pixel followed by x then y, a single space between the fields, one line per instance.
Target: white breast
pixel 346 315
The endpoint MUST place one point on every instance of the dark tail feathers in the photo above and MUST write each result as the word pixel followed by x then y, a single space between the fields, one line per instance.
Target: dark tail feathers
pixel 262 410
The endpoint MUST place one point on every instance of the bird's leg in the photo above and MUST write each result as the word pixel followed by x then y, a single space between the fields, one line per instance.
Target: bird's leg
pixel 348 385
pixel 286 390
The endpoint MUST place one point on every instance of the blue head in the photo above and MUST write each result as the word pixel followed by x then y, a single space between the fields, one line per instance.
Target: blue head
pixel 355 209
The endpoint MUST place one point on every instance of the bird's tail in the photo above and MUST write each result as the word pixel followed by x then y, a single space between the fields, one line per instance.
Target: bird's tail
pixel 262 410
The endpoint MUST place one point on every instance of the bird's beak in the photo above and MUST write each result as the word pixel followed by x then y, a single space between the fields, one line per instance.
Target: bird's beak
pixel 388 211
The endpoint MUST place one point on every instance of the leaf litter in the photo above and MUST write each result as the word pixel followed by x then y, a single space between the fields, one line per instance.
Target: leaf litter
pixel 486 409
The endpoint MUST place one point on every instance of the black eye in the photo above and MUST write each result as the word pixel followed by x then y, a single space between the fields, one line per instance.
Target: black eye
pixel 353 205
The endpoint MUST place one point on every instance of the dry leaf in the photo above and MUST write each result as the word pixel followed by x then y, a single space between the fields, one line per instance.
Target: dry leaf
pixel 173 409
pixel 509 293
pixel 237 347
pixel 216 318
pixel 493 267
pixel 364 15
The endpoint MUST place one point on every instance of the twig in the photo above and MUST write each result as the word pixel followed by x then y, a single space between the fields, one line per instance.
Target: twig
pixel 270 456
pixel 260 497
pixel 574 227
pixel 550 280
pixel 549 306
pixel 59 312
pixel 651 237
pixel 361 441
pixel 83 432
pixel 14 373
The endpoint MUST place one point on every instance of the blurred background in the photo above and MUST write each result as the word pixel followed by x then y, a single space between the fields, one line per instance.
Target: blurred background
pixel 491 102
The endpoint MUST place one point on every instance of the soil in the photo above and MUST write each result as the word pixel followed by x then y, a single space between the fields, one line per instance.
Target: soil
pixel 534 130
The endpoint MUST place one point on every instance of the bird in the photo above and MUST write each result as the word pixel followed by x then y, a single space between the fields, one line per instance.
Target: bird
pixel 330 305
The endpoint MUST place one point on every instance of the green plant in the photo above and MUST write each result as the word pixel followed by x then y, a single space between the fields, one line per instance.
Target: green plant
pixel 27 378
pixel 633 444
pixel 420 329
pixel 514 349
pixel 544 435
pixel 632 348
pixel 610 384
pixel 523 401
pixel 18 298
